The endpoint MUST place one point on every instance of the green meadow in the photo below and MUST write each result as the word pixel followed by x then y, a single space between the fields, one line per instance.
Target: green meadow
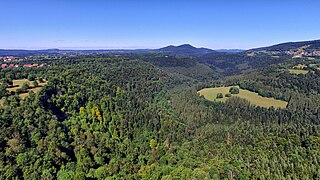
pixel 18 84
pixel 298 71
pixel 254 98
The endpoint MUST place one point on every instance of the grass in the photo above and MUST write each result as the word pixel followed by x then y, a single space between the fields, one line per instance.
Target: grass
pixel 18 84
pixel 251 54
pixel 298 71
pixel 254 98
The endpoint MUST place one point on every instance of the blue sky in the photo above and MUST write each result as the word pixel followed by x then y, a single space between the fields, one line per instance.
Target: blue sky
pixel 112 24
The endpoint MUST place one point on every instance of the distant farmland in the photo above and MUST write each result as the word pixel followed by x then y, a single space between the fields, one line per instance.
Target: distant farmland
pixel 254 98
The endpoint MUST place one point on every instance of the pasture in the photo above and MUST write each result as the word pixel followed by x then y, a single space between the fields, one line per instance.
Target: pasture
pixel 254 98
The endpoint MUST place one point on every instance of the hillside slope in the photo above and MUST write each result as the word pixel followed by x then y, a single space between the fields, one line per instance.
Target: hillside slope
pixel 185 50
pixel 290 46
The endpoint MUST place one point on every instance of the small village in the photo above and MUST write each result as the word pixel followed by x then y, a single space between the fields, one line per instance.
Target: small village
pixel 11 62
pixel 24 65
pixel 304 53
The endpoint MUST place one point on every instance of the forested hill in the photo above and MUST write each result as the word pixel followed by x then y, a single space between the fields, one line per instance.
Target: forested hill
pixel 290 46
pixel 185 49
pixel 188 68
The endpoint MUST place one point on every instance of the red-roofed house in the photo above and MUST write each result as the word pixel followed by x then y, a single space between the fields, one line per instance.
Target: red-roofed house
pixel 27 65
pixel 11 65
pixel 4 65
pixel 31 65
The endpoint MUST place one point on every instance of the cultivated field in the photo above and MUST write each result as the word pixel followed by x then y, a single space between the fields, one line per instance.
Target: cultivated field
pixel 253 98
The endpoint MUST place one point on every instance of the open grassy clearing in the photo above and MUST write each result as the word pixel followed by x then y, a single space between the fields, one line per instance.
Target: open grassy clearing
pixel 298 71
pixel 251 54
pixel 254 98
pixel 18 84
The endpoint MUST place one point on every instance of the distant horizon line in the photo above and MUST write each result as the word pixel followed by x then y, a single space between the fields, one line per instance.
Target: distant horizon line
pixel 132 48
pixel 101 49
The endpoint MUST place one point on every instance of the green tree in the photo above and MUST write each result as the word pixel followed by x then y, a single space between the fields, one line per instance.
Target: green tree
pixel 25 86
pixel 234 90
pixel 31 77
pixel 3 91
pixel 7 82
pixel 35 83
pixel 41 80
pixel 82 111
pixel 219 95
pixel 153 145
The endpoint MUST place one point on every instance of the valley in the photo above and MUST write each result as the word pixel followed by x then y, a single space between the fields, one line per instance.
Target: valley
pixel 180 112
pixel 159 90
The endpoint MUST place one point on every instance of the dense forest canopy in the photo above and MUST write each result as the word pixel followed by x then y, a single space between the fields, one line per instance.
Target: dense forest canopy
pixel 139 116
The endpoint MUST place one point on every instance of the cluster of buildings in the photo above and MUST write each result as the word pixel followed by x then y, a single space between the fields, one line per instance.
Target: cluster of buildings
pixel 10 65
pixel 8 62
pixel 25 65
pixel 299 54
pixel 11 58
